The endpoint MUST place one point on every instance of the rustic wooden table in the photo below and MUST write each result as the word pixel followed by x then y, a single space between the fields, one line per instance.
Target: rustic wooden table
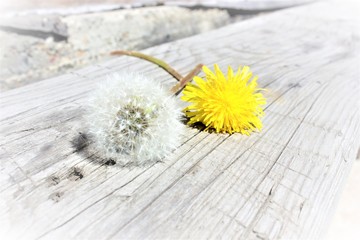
pixel 248 5
pixel 282 183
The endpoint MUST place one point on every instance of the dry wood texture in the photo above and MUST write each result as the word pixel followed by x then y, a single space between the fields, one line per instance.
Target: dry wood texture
pixel 246 5
pixel 281 183
pixel 70 6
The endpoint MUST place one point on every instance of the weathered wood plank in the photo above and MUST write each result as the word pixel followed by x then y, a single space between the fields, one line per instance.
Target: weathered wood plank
pixel 64 7
pixel 36 25
pixel 281 183
pixel 244 5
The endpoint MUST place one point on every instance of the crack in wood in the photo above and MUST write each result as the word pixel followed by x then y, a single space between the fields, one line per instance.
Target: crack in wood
pixel 268 199
pixel 165 190
pixel 79 213
pixel 215 184
pixel 211 182
pixel 94 203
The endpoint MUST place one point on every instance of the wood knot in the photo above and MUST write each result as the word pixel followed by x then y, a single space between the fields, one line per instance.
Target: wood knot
pixel 110 162
pixel 56 196
pixel 75 174
pixel 53 180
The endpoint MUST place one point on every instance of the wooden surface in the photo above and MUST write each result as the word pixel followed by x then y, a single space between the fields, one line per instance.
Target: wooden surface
pixel 245 5
pixel 282 183
pixel 70 6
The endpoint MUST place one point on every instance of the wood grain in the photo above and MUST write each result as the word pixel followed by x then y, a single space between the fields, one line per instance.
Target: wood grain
pixel 246 6
pixel 282 183
pixel 66 7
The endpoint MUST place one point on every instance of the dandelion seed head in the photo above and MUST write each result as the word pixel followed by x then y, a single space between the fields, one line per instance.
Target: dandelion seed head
pixel 133 119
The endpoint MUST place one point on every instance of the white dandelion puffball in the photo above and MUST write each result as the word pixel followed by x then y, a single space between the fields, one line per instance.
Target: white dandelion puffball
pixel 133 120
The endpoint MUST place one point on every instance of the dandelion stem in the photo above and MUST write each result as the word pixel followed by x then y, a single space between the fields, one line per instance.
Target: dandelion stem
pixel 181 84
pixel 151 59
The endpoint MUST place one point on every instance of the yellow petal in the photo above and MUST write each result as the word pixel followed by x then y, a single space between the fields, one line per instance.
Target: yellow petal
pixel 230 103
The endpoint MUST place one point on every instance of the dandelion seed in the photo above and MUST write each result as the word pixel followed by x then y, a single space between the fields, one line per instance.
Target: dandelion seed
pixel 133 119
pixel 229 103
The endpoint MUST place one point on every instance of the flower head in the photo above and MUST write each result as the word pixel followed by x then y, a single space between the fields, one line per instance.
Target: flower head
pixel 231 103
pixel 132 119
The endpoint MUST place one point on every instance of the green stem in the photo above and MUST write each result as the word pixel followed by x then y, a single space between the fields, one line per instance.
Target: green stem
pixel 182 83
pixel 151 59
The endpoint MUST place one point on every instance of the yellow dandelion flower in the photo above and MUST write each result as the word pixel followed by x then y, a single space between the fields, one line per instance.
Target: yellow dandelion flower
pixel 229 103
